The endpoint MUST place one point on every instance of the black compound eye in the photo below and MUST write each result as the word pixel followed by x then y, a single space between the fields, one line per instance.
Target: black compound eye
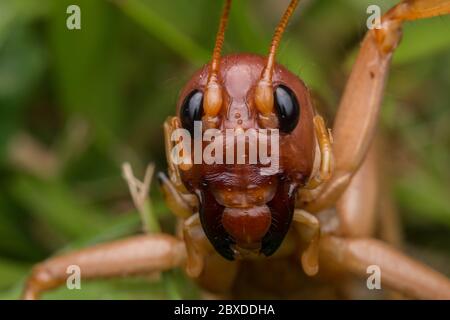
pixel 191 110
pixel 287 108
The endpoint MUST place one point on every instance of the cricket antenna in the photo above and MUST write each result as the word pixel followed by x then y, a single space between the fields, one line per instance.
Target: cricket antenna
pixel 213 92
pixel 264 88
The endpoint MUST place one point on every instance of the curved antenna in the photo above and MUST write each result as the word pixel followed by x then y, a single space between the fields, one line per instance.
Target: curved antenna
pixel 264 89
pixel 213 93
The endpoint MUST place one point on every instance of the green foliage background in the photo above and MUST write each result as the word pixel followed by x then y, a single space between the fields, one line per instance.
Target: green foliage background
pixel 75 104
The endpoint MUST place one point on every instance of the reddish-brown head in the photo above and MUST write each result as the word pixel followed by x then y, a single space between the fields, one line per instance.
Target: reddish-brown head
pixel 242 207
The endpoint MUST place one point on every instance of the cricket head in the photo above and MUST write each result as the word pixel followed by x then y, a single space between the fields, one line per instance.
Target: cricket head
pixel 247 143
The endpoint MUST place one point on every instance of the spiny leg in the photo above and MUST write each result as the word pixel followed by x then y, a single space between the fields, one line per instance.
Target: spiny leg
pixel 142 254
pixel 398 272
pixel 357 115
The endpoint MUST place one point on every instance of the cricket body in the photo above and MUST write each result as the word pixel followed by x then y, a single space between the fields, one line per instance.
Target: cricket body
pixel 297 230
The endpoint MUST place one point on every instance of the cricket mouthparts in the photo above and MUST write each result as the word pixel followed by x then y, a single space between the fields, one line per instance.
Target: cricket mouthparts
pixel 247 226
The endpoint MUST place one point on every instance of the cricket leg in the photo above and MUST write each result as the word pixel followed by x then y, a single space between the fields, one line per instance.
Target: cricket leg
pixel 326 157
pixel 357 207
pixel 308 228
pixel 170 125
pixel 143 254
pixel 365 208
pixel 362 214
pixel 398 272
pixel 179 200
pixel 211 270
pixel 390 229
pixel 358 111
pixel 181 204
pixel 197 245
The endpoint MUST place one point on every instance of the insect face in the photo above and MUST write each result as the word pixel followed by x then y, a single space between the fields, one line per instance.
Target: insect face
pixel 242 208
pixel 245 206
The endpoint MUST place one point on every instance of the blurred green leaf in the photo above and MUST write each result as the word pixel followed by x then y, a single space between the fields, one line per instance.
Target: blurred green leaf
pixel 303 63
pixel 121 226
pixel 17 12
pixel 137 288
pixel 52 202
pixel 21 65
pixel 423 196
pixel 165 31
pixel 11 272
pixel 422 39
pixel 13 241
pixel 86 65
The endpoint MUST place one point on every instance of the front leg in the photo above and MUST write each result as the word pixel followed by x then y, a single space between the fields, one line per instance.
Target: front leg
pixel 181 204
pixel 170 125
pixel 143 254
pixel 308 229
pixel 211 270
pixel 358 111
